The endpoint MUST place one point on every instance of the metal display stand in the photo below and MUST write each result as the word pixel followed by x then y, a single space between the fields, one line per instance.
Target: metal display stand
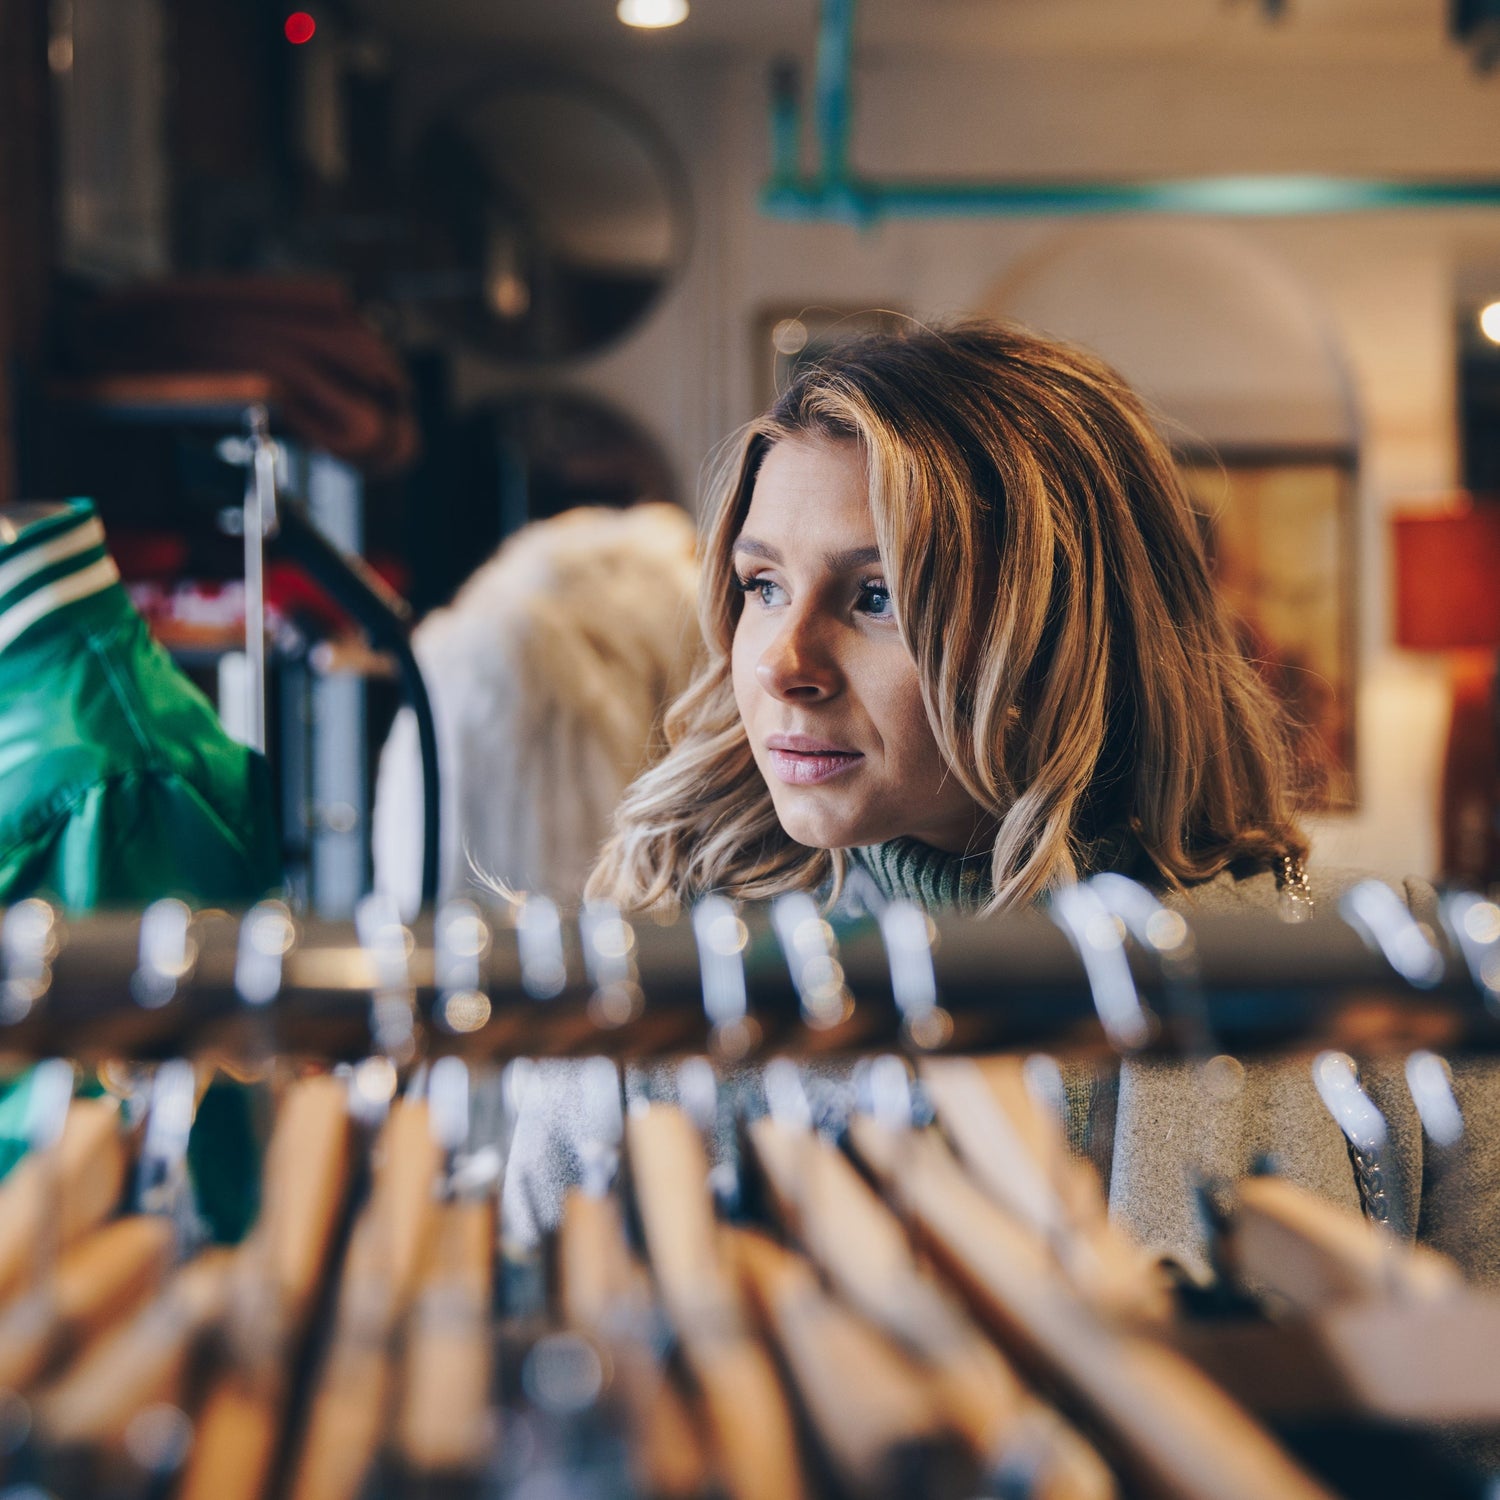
pixel 322 749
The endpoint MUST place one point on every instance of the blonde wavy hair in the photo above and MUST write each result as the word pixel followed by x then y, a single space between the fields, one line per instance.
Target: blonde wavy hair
pixel 1079 671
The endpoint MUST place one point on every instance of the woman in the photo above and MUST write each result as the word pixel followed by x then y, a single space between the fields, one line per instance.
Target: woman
pixel 960 632
pixel 961 635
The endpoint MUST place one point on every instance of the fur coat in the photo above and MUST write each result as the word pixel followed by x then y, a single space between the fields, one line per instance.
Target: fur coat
pixel 548 674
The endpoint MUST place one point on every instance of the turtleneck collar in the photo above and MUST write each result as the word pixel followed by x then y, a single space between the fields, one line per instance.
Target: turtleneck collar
pixel 54 561
pixel 906 869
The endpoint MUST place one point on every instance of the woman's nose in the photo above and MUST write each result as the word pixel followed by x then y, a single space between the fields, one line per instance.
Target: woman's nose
pixel 800 662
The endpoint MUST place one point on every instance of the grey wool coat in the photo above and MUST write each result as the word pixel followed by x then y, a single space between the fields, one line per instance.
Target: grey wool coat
pixel 1276 1114
pixel 1153 1131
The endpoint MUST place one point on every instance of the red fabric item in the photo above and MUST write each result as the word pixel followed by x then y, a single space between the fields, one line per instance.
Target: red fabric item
pixel 1448 577
pixel 147 556
pixel 1470 821
pixel 341 386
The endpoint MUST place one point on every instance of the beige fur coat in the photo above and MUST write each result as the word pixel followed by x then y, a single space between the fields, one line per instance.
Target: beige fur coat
pixel 548 674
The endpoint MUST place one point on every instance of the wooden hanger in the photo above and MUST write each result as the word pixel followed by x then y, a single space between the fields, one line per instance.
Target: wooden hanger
pixel 444 1430
pixel 1179 1434
pixel 443 1426
pixel 876 1417
pixel 144 1362
pixel 744 1407
pixel 64 1192
pixel 863 1249
pixel 605 1293
pixel 101 1279
pixel 1313 1255
pixel 387 1249
pixel 307 1174
pixel 1367 1325
pixel 280 1272
pixel 1017 1153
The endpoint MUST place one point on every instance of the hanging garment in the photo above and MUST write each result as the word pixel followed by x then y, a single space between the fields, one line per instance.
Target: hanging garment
pixel 117 783
pixel 548 675
pixel 1153 1137
pixel 119 786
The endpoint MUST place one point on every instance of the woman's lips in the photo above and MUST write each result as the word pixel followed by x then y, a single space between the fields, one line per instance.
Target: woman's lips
pixel 808 767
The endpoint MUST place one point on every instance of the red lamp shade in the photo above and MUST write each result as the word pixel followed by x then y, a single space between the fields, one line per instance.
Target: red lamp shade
pixel 1448 577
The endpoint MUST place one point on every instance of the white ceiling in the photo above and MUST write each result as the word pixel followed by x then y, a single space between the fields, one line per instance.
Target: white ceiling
pixel 1308 29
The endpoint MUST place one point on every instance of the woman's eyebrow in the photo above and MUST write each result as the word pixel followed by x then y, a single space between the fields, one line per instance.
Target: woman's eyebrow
pixel 835 562
pixel 851 557
pixel 755 548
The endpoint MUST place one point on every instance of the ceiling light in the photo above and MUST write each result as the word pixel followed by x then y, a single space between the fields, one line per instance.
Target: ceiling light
pixel 652 14
pixel 1489 322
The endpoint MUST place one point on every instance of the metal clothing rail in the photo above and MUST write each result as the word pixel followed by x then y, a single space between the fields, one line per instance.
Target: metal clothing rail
pixel 1105 968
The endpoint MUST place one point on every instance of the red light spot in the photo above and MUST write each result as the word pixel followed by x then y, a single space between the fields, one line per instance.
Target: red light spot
pixel 299 27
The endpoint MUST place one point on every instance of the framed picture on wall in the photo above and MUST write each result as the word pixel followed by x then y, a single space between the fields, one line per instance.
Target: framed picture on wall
pixel 1279 533
pixel 787 337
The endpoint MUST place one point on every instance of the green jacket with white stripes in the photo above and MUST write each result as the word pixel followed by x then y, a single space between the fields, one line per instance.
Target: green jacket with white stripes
pixel 118 785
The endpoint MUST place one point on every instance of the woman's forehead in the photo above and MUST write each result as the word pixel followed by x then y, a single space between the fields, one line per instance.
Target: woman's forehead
pixel 810 482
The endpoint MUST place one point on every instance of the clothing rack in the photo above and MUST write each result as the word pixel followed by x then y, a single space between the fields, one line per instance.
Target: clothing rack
pixel 911 1289
pixel 1108 969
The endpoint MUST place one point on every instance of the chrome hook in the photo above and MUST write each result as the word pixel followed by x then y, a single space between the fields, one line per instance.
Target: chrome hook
pixel 1096 936
pixel 539 942
pixel 388 945
pixel 1431 1087
pixel 461 943
pixel 168 953
pixel 267 935
pixel 1381 917
pixel 1336 1078
pixel 812 958
pixel 162 1184
pixel 1167 936
pixel 908 933
pixel 1474 922
pixel 721 939
pixel 30 937
pixel 609 959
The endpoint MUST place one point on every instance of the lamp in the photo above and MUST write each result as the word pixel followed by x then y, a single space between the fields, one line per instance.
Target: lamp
pixel 1448 599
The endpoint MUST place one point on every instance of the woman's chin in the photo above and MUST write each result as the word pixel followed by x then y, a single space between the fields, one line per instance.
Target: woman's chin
pixel 817 829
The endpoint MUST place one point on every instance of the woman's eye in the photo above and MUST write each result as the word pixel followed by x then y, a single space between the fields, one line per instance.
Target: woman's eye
pixel 875 600
pixel 767 590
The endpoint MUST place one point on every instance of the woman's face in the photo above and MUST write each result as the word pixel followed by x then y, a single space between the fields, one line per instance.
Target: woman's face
pixel 826 689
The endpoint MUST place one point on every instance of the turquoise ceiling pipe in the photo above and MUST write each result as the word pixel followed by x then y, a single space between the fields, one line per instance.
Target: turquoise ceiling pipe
pixel 833 191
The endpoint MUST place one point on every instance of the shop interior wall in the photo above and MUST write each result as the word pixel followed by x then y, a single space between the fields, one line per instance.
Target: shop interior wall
pixel 1383 283
pixel 25 211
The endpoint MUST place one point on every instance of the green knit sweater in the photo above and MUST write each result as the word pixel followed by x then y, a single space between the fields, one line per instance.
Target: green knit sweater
pixel 937 881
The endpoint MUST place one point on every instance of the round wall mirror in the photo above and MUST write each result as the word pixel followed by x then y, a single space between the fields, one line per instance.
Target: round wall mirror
pixel 550 217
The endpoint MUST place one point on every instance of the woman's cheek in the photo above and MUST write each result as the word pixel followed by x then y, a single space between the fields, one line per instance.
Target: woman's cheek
pixel 742 659
pixel 894 702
